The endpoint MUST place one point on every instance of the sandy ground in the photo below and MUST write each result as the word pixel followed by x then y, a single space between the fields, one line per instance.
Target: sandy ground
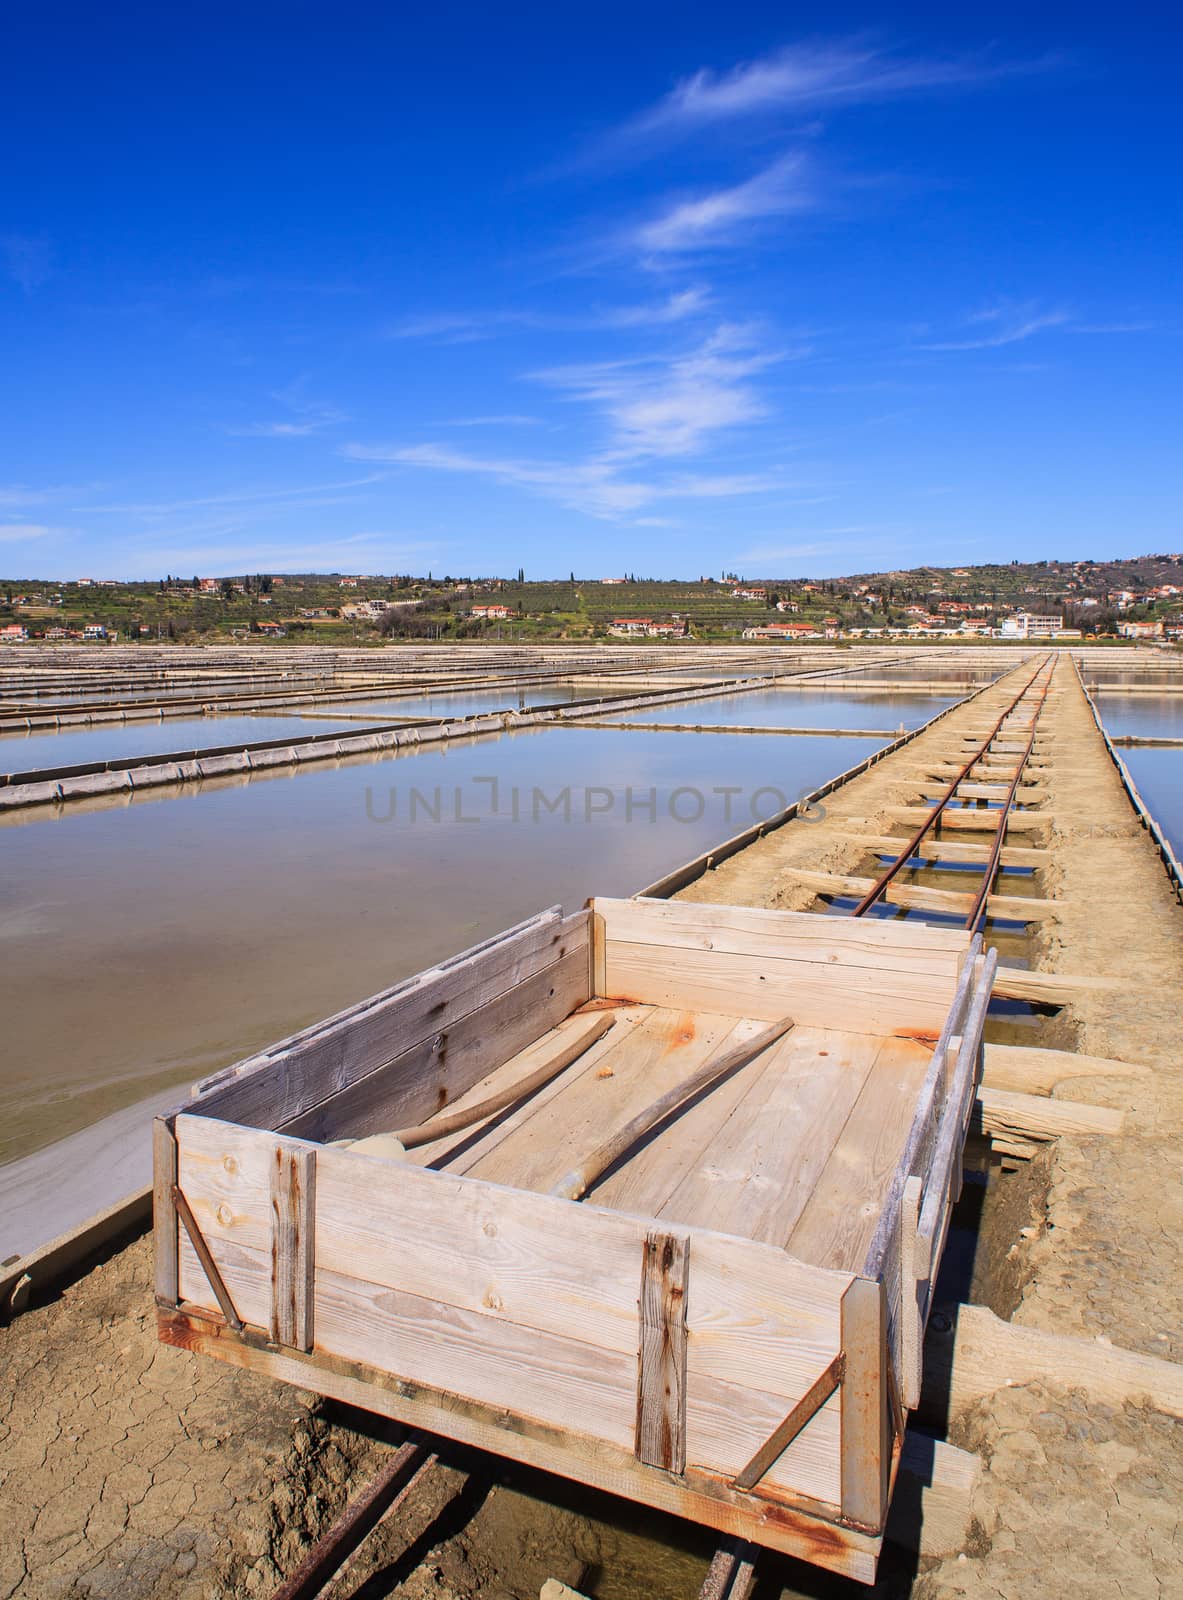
pixel 132 1470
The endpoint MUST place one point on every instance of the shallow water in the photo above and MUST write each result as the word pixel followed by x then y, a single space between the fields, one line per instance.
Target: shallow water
pixel 467 703
pixel 799 708
pixel 148 943
pixel 25 752
pixel 1146 716
pixel 1159 777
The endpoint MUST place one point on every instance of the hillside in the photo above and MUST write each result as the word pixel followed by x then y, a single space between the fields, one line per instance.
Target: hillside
pixel 1098 597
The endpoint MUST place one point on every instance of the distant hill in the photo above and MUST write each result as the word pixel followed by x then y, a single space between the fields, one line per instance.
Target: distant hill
pixel 1096 596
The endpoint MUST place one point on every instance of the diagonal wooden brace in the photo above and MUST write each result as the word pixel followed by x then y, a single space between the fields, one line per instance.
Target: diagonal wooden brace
pixel 810 1403
pixel 208 1265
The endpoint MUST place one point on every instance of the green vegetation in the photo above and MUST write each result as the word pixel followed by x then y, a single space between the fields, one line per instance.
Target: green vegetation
pixel 1096 597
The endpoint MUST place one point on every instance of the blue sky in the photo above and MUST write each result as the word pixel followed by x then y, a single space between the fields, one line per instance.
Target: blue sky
pixel 645 287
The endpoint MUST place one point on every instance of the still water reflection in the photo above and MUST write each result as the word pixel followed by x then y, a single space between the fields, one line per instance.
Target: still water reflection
pixel 149 943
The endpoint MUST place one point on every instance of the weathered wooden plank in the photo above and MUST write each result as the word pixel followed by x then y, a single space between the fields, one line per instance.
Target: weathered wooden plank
pixel 755 1315
pixel 971 789
pixel 686 1144
pixel 932 1504
pixel 911 1270
pixel 661 1357
pixel 789 1524
pixel 758 1167
pixel 548 1064
pixel 973 820
pixel 625 1140
pixel 1028 1116
pixel 164 1213
pixel 744 930
pixel 1028 1069
pixel 528 1374
pixel 654 1056
pixel 950 850
pixel 843 1210
pixel 712 982
pixel 460 1153
pixel 293 1245
pixel 1050 988
pixel 866 1421
pixel 438 1069
pixel 920 897
pixel 981 1353
pixel 213 1279
pixel 942 1181
pixel 596 949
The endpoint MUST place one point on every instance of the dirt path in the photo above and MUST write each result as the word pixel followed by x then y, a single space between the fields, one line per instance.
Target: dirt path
pixel 1078 1499
pixel 130 1470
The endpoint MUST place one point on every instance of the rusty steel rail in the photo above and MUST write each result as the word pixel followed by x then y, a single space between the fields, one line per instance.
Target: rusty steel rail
pixel 357 1522
pixel 876 891
pixel 986 887
pixel 732 1572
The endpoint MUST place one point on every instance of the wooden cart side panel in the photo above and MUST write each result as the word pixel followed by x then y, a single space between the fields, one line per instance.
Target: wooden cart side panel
pixel 520 1300
pixel 910 1245
pixel 808 1533
pixel 438 1071
pixel 797 935
pixel 296 1080
pixel 765 987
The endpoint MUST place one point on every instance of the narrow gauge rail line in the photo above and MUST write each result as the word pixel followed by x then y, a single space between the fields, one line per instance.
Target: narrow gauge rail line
pixel 932 821
pixel 986 888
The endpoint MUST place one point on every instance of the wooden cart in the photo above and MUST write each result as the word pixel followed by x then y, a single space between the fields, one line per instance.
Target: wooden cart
pixel 728 1326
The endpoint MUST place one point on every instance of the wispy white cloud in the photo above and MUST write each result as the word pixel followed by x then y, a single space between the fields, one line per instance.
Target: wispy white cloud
pixel 468 327
pixel 799 79
pixel 509 419
pixel 596 486
pixel 652 408
pixel 305 416
pixel 723 218
pixel 275 495
pixel 26 259
pixel 1112 327
pixel 676 307
pixel 1013 321
pixel 1008 322
pixel 17 495
pixel 289 430
pixel 668 406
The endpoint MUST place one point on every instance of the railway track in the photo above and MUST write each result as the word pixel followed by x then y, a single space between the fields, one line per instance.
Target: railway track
pixel 1021 717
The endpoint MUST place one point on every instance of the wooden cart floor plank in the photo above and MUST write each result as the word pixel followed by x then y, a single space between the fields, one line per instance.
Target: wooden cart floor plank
pixel 661 1164
pixel 661 1051
pixel 840 1218
pixel 760 1170
pixel 448 1150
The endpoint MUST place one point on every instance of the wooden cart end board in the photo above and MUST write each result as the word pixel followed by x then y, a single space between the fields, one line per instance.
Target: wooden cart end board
pixel 726 1323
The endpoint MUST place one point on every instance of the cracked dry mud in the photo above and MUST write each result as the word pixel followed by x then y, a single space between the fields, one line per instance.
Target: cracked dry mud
pixel 129 1469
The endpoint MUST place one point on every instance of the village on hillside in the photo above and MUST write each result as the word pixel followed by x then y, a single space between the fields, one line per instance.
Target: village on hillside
pixel 1140 598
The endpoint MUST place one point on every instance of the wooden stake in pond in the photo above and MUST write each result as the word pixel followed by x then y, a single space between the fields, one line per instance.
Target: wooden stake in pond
pixel 580 1179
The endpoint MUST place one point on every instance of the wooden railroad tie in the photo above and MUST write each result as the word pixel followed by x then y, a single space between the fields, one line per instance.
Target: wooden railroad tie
pixel 918 897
